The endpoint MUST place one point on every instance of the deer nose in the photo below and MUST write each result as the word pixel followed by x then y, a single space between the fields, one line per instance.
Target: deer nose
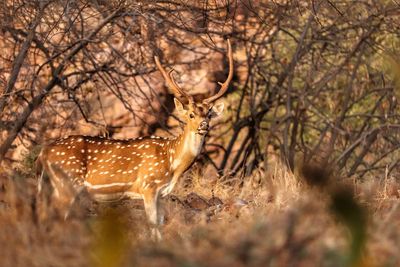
pixel 204 125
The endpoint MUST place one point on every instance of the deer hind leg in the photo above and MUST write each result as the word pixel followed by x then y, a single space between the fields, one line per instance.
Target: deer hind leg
pixel 73 201
pixel 64 194
pixel 43 194
pixel 151 206
pixel 38 212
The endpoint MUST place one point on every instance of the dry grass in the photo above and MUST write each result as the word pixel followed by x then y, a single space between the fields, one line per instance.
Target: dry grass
pixel 270 219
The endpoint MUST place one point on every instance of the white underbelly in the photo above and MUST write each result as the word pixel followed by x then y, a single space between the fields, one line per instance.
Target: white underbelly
pixel 107 197
pixel 110 197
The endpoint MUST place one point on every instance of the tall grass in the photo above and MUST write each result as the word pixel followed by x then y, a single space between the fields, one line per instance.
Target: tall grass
pixel 272 218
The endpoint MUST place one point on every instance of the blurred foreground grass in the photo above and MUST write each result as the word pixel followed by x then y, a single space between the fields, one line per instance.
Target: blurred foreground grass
pixel 282 220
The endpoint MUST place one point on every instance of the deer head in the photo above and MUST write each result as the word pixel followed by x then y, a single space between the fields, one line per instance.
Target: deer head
pixel 197 115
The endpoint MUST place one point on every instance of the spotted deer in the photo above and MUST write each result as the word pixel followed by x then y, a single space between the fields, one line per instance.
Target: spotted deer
pixel 146 167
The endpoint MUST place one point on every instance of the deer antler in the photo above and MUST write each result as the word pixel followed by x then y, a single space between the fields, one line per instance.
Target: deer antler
pixel 225 85
pixel 169 78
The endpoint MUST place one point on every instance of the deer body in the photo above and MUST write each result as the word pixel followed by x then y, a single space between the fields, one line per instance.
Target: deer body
pixel 110 169
pixel 146 167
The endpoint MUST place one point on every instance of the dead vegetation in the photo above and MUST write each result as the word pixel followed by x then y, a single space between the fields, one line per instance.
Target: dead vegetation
pixel 282 221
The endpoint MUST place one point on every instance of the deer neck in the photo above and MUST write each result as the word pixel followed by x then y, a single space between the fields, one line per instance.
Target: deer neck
pixel 187 147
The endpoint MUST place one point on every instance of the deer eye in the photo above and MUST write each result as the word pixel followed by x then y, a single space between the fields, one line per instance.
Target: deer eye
pixel 191 115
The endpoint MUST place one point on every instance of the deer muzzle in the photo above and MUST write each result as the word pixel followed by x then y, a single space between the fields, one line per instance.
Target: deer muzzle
pixel 203 128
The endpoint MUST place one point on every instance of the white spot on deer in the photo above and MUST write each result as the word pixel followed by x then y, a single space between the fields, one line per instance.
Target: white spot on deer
pixel 146 146
pixel 119 170
pixel 167 173
pixel 96 151
pixel 58 153
pixel 89 150
pixel 109 151
pixel 141 146
pixel 103 151
pixel 157 181
pixel 156 164
pixel 53 150
pixel 79 140
pixel 95 158
pixel 124 172
pixel 135 168
pixel 82 150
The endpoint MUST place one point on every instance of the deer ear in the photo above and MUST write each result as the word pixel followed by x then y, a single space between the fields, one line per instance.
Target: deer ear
pixel 179 106
pixel 217 110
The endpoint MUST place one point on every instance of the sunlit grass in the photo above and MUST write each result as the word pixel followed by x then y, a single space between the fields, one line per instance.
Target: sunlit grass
pixel 275 218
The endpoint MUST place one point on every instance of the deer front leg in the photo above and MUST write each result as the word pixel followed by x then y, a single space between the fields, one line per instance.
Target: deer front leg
pixel 151 206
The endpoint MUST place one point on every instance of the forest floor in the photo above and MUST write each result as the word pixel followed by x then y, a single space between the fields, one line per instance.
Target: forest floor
pixel 270 219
